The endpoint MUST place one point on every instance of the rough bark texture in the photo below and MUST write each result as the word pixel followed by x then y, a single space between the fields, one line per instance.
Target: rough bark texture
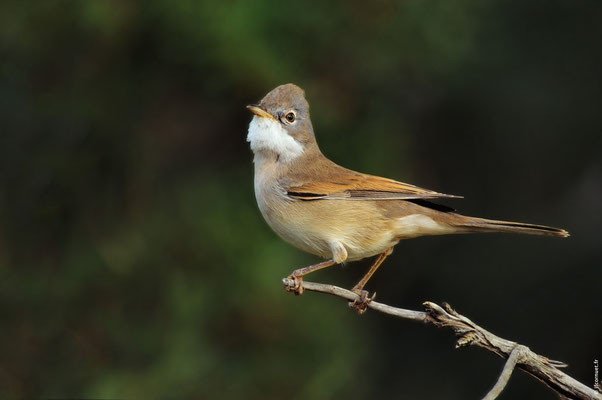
pixel 470 334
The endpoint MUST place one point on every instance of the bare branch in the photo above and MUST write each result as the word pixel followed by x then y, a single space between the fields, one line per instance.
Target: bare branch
pixel 470 334
pixel 419 316
pixel 517 354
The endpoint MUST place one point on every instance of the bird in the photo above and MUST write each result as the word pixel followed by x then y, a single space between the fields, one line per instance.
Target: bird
pixel 336 213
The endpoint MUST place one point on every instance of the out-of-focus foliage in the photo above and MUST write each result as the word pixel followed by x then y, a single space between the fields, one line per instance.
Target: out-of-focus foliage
pixel 133 260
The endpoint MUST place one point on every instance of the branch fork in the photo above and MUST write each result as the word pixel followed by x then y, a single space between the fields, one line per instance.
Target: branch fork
pixel 470 334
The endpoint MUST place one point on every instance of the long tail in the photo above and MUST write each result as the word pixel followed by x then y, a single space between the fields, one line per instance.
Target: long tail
pixel 472 224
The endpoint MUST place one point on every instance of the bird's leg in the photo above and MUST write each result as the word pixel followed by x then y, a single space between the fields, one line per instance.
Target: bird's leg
pixel 361 304
pixel 297 275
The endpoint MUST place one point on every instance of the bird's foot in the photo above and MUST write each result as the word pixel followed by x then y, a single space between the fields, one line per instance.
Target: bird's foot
pixel 294 283
pixel 361 305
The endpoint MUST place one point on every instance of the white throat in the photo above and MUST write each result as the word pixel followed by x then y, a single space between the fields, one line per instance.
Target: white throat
pixel 266 134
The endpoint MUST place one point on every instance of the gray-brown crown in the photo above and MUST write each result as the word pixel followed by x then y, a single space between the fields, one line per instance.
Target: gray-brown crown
pixel 284 99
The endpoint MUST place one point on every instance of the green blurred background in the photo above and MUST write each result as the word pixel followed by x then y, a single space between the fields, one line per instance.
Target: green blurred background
pixel 134 262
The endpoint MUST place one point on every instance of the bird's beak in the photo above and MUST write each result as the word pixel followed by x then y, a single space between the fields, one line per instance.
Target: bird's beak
pixel 259 111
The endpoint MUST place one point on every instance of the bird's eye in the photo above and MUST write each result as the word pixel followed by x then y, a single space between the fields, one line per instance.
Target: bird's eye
pixel 290 117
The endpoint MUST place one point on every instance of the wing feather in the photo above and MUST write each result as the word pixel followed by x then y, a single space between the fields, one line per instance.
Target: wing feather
pixel 332 182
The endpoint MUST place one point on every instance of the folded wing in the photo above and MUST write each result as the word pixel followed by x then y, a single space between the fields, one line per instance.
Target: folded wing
pixel 329 181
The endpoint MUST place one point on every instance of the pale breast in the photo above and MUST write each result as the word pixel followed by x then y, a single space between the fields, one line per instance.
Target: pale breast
pixel 318 226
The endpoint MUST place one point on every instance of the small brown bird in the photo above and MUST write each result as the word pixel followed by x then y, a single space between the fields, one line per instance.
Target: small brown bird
pixel 336 213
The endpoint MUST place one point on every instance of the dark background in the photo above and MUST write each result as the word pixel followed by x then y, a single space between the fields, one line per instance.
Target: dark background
pixel 134 262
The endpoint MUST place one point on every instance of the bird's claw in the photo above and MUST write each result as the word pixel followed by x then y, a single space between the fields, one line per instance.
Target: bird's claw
pixel 294 284
pixel 361 305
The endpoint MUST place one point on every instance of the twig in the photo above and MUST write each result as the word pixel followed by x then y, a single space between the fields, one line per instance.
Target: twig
pixel 470 334
pixel 517 354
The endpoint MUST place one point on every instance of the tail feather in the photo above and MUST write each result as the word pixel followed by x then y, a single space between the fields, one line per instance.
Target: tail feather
pixel 471 224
